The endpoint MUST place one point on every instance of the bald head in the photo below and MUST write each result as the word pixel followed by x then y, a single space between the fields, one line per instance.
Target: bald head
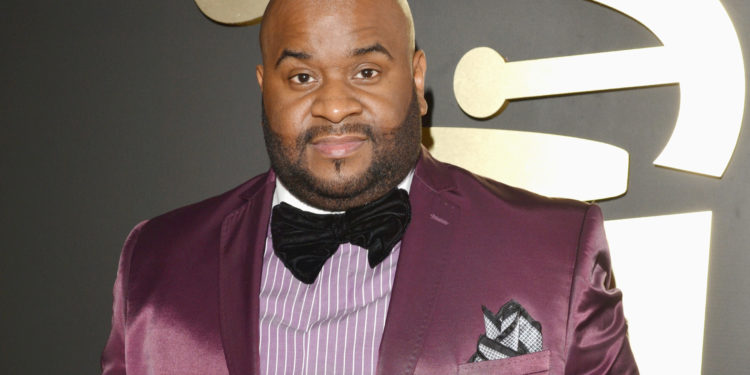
pixel 279 11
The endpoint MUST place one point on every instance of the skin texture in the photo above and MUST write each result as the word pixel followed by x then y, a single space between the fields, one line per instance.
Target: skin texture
pixel 343 96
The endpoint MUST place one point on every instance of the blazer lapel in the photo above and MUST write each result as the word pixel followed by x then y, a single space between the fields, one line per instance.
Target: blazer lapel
pixel 425 249
pixel 243 236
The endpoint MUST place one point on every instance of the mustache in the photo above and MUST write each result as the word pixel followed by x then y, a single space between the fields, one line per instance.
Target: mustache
pixel 326 130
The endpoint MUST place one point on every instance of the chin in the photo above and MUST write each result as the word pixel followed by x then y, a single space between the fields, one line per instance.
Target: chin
pixel 343 184
pixel 341 170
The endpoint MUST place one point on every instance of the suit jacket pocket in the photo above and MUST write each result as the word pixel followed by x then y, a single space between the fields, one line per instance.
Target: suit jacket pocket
pixel 527 364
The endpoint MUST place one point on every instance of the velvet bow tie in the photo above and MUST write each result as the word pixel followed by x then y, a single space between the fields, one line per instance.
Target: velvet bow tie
pixel 304 241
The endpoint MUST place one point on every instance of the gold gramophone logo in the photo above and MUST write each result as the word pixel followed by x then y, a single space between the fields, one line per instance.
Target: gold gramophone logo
pixel 700 51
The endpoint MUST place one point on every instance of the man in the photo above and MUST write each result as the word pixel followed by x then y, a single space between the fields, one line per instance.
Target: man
pixel 304 270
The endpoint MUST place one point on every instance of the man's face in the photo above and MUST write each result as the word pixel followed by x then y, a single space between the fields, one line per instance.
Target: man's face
pixel 343 95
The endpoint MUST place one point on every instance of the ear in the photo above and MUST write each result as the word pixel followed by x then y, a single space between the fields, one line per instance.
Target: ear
pixel 259 76
pixel 419 67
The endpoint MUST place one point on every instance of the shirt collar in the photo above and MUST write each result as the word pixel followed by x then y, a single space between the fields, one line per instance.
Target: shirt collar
pixel 282 194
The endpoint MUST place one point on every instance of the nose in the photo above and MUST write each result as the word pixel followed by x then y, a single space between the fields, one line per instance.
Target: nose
pixel 335 101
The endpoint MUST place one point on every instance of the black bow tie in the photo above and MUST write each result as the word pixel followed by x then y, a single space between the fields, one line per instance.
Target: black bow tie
pixel 304 241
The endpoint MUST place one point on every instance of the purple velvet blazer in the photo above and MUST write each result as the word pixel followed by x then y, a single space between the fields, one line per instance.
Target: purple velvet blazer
pixel 186 294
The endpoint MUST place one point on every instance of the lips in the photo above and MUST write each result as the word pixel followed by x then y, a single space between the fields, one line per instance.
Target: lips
pixel 337 147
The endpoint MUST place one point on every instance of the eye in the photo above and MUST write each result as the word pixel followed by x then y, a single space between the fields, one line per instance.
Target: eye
pixel 367 74
pixel 301 78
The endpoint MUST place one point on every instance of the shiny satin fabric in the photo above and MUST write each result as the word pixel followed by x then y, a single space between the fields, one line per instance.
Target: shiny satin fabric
pixel 186 295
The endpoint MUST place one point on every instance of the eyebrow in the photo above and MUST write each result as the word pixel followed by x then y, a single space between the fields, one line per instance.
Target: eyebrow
pixel 295 54
pixel 377 47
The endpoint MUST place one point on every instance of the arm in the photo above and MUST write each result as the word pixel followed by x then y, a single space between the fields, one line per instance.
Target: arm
pixel 597 341
pixel 113 357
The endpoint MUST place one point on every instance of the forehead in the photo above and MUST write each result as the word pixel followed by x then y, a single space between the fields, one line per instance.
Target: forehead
pixel 327 26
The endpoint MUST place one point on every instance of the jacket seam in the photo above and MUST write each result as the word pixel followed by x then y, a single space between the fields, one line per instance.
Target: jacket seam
pixel 126 279
pixel 571 296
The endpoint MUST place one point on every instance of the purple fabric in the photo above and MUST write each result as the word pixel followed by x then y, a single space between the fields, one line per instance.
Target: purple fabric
pixel 188 285
pixel 333 326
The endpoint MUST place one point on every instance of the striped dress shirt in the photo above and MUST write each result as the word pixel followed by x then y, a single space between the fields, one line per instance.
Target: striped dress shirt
pixel 333 326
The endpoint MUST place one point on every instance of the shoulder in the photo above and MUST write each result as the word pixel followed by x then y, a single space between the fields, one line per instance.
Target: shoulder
pixel 202 219
pixel 181 247
pixel 475 192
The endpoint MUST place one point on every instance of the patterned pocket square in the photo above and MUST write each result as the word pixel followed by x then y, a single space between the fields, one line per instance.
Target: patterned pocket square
pixel 509 333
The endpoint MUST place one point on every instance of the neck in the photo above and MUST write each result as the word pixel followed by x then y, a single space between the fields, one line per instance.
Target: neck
pixel 282 194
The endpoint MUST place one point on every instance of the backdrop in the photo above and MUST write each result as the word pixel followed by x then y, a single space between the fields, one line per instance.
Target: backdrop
pixel 114 112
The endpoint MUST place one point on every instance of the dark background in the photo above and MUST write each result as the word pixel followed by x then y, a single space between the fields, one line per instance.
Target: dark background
pixel 114 112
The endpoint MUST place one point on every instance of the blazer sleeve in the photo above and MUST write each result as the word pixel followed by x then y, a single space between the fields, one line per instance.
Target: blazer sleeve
pixel 597 341
pixel 113 356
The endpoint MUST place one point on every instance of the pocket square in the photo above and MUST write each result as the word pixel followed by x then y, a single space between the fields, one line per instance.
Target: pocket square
pixel 509 333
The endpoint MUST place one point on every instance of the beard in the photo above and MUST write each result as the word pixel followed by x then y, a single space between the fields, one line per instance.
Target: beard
pixel 394 155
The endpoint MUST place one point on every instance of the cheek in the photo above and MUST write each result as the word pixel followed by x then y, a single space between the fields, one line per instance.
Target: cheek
pixel 390 104
pixel 388 115
pixel 287 120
